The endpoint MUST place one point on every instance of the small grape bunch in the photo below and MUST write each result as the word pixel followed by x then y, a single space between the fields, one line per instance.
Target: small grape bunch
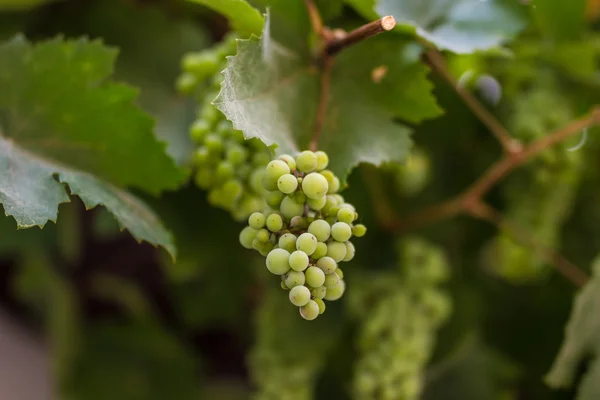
pixel 229 167
pixel 305 231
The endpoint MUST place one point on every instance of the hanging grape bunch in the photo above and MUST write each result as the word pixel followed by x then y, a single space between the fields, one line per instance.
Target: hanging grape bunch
pixel 227 166
pixel 305 231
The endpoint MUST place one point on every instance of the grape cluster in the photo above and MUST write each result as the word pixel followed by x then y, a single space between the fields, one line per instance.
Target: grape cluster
pixel 400 318
pixel 305 233
pixel 229 167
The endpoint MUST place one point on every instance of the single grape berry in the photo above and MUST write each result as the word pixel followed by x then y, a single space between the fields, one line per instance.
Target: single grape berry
pixel 335 292
pixel 294 278
pixel 306 161
pixel 349 251
pixel 346 215
pixel 256 220
pixel 336 250
pixel 331 280
pixel 299 295
pixel 322 160
pixel 287 241
pixel 327 264
pixel 321 229
pixel 287 183
pixel 315 277
pixel 274 222
pixel 341 231
pixel 321 251
pixel 321 305
pixel 307 243
pixel 319 292
pixel 310 311
pixel 359 230
pixel 315 186
pixel 298 260
pixel 278 261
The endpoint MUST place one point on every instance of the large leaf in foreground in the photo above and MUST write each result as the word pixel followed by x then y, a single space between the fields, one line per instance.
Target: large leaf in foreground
pixel 271 93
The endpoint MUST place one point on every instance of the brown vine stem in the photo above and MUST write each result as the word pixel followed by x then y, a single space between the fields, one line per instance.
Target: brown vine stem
pixel 337 44
pixel 315 17
pixel 509 144
pixel 570 271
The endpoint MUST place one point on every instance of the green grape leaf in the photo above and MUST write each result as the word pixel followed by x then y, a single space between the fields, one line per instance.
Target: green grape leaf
pixel 558 19
pixel 59 125
pixel 12 5
pixel 271 93
pixel 462 26
pixel 582 341
pixel 243 17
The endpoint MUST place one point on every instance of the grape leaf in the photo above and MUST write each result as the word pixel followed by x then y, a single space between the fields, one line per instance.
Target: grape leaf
pixel 560 19
pixel 243 17
pixel 271 93
pixel 582 340
pixel 58 125
pixel 12 5
pixel 461 26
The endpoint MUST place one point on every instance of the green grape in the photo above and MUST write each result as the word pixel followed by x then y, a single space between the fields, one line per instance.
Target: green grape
pixel 341 231
pixel 247 236
pixel 336 250
pixel 225 170
pixel 307 243
pixel 298 260
pixel 287 183
pixel 339 273
pixel 284 286
pixel 330 204
pixel 290 208
pixel 203 179
pixel 236 155
pixel 310 310
pixel 213 143
pixel 349 251
pixel 321 305
pixel 315 277
pixel 263 235
pixel 274 222
pixel 306 161
pixel 256 220
pixel 289 160
pixel 275 169
pixel 319 292
pixel 331 280
pixel 199 130
pixel 298 223
pixel 186 83
pixel 321 251
pixel 335 292
pixel 287 241
pixel 274 199
pixel 233 189
pixel 202 65
pixel 322 160
pixel 294 278
pixel 334 187
pixel 314 186
pixel 316 204
pixel 299 295
pixel 278 261
pixel 359 230
pixel 346 215
pixel 320 229
pixel 327 264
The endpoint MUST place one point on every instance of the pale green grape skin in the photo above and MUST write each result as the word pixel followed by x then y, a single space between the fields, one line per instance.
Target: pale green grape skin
pixel 320 252
pixel 274 198
pixel 330 203
pixel 340 200
pixel 327 264
pixel 290 208
pixel 273 172
pixel 339 273
pixel 247 236
pixel 307 242
pixel 336 250
pixel 310 310
pixel 331 280
pixel 256 220
pixel 335 292
pixel 237 154
pixel 341 231
pixel 298 260
pixel 204 178
pixel 287 241
pixel 287 183
pixel 350 251
pixel 284 286
pixel 321 229
pixel 316 204
pixel 186 83
pixel 321 304
pixel 289 160
pixel 322 160
pixel 359 230
pixel 315 277
pixel 274 222
pixel 315 186
pixel 335 185
pixel 345 215
pixel 213 143
pixel 278 261
pixel 263 235
pixel 348 206
pixel 198 130
pixel 306 161
pixel 319 292
pixel 299 295
pixel 294 278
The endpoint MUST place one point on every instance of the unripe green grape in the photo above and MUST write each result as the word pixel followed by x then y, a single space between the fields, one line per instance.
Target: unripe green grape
pixel 186 83
pixel 315 277
pixel 327 264
pixel 274 199
pixel 347 206
pixel 307 242
pixel 287 241
pixel 259 159
pixel 345 215
pixel 236 154
pixel 278 261
pixel 331 280
pixel 263 235
pixel 341 231
pixel 321 305
pixel 336 250
pixel 359 230
pixel 350 251
pixel 287 183
pixel 256 220
pixel 339 273
pixel 315 186
pixel 319 292
pixel 200 64
pixel 198 130
pixel 306 161
pixel 321 229
pixel 298 260
pixel 340 199
pixel 289 160
pixel 201 155
pixel 298 222
pixel 203 178
pixel 233 189
pixel 330 203
pixel 247 236
pixel 299 295
pixel 316 204
pixel 225 170
pixel 284 286
pixel 224 128
pixel 294 278
pixel 299 197
pixel 335 185
pixel 322 160
pixel 310 310
pixel 274 222
pixel 328 175
pixel 213 143
pixel 256 180
pixel 335 292
pixel 320 252
pixel 273 172
pixel 289 208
